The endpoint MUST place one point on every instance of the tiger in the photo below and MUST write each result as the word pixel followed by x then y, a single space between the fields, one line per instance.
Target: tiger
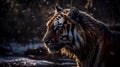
pixel 80 36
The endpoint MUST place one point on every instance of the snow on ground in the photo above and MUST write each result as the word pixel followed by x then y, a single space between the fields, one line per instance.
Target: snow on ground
pixel 31 62
pixel 24 60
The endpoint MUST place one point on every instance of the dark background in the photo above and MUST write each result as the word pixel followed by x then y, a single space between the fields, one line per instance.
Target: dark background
pixel 23 21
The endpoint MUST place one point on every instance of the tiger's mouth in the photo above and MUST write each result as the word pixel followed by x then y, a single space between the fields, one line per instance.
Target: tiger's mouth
pixel 53 47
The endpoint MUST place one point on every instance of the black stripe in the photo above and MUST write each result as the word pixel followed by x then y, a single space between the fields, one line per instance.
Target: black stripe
pixel 68 27
pixel 72 30
pixel 58 22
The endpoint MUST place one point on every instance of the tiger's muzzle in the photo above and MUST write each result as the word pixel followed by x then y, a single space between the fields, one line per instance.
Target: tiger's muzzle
pixel 53 47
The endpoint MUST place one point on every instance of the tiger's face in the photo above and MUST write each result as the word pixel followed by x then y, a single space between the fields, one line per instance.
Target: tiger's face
pixel 61 32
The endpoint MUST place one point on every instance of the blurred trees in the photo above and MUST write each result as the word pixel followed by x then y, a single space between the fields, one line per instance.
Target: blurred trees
pixel 24 21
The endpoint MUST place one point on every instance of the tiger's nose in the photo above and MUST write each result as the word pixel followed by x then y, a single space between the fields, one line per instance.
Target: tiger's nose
pixel 45 41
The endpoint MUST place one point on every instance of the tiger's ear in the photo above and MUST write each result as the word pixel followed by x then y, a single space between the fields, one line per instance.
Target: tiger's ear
pixel 58 8
pixel 75 15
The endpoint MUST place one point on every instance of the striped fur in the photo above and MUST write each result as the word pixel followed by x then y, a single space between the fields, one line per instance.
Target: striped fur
pixel 80 36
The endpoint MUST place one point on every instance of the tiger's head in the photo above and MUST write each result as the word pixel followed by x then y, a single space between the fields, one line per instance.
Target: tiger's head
pixel 63 30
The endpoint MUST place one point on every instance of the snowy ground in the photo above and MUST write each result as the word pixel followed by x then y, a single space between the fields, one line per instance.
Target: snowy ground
pixel 17 59
pixel 27 62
